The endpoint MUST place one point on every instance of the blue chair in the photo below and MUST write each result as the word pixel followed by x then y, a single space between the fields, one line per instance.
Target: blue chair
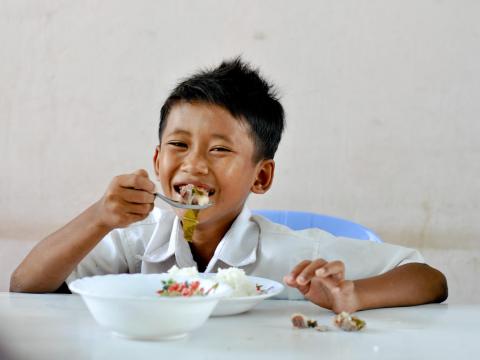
pixel 299 220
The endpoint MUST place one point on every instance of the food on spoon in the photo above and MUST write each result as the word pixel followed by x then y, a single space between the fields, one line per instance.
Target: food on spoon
pixel 192 195
pixel 347 322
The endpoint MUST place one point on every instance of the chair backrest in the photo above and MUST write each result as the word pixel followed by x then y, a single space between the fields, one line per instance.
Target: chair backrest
pixel 299 220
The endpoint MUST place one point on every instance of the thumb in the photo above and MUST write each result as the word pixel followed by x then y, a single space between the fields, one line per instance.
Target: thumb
pixel 141 172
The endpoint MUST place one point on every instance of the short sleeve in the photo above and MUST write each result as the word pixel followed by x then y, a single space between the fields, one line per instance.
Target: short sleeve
pixel 120 250
pixel 363 258
pixel 108 257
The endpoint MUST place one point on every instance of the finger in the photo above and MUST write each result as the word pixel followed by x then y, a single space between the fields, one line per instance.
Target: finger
pixel 135 181
pixel 138 209
pixel 120 208
pixel 141 172
pixel 309 271
pixel 123 219
pixel 136 196
pixel 292 283
pixel 133 218
pixel 287 279
pixel 333 268
pixel 290 279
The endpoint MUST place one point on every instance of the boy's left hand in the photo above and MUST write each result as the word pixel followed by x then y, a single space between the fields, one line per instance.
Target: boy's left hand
pixel 324 284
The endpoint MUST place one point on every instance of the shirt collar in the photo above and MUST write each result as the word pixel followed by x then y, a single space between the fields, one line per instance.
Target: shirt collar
pixel 237 248
pixel 239 245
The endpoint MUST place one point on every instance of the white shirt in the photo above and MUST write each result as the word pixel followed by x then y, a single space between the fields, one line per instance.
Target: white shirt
pixel 253 243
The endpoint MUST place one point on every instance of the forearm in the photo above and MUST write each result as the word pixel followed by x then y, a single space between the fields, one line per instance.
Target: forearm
pixel 49 263
pixel 406 285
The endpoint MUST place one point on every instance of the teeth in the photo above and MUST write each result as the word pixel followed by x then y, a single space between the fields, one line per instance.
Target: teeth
pixel 192 194
pixel 182 188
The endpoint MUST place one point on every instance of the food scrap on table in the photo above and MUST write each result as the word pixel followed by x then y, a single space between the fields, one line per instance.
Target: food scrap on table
pixel 321 328
pixel 347 322
pixel 343 321
pixel 300 321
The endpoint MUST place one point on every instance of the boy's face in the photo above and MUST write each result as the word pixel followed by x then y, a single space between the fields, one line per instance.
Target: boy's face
pixel 204 145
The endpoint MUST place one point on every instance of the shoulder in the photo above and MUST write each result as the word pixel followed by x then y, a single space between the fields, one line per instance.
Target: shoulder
pixel 269 229
pixel 280 239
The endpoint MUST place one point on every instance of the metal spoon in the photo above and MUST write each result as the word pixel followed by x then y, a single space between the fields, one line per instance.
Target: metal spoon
pixel 180 205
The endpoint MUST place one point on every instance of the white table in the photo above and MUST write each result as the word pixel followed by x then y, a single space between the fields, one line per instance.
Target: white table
pixel 60 327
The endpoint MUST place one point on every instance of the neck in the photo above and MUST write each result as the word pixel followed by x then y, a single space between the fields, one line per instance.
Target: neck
pixel 204 243
pixel 205 240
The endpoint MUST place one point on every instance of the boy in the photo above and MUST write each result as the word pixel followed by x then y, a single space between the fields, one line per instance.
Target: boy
pixel 219 131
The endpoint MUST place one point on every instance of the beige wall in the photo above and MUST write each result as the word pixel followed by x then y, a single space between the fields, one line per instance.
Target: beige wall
pixel 381 100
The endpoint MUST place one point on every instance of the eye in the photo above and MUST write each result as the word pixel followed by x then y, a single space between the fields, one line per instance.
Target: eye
pixel 179 144
pixel 220 149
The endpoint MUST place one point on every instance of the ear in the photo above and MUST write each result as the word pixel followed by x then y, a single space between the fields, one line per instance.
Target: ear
pixel 264 178
pixel 155 161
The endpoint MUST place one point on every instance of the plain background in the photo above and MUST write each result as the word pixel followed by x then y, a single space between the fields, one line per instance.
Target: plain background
pixel 381 97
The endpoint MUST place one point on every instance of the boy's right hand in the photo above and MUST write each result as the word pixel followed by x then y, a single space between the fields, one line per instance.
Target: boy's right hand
pixel 129 198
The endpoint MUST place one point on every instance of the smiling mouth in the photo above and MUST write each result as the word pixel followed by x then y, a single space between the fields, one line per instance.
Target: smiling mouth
pixel 178 189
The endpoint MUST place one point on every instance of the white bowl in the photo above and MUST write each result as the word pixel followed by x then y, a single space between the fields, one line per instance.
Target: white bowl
pixel 238 305
pixel 128 305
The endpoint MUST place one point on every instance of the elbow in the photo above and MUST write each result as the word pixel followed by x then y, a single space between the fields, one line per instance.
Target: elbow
pixel 439 286
pixel 22 282
pixel 16 283
pixel 19 283
pixel 443 293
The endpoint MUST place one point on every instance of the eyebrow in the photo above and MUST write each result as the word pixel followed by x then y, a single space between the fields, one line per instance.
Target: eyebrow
pixel 179 132
pixel 188 133
pixel 222 137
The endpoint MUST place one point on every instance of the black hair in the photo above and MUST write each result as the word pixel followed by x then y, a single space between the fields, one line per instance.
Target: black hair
pixel 237 87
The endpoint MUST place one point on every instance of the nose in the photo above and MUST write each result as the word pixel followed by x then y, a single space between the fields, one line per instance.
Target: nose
pixel 195 163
